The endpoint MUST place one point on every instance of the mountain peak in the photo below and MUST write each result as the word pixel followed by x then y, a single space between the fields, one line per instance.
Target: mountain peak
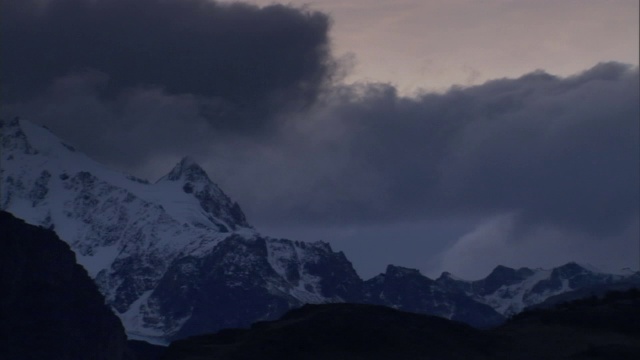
pixel 10 123
pixel 449 276
pixel 571 269
pixel 502 273
pixel 187 169
pixel 188 161
pixel 13 137
pixel 31 138
pixel 216 205
pixel 400 271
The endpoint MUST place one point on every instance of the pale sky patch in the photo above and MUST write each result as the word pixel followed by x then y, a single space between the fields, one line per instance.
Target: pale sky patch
pixel 432 45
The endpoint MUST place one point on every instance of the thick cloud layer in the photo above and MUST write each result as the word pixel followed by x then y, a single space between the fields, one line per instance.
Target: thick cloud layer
pixel 243 63
pixel 139 84
pixel 499 241
pixel 555 150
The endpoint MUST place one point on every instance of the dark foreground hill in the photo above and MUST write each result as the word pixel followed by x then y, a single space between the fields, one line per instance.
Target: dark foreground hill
pixel 340 331
pixel 49 307
pixel 595 328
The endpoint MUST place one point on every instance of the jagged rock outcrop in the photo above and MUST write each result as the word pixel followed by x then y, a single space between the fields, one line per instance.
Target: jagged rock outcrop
pixel 408 290
pixel 50 308
pixel 242 280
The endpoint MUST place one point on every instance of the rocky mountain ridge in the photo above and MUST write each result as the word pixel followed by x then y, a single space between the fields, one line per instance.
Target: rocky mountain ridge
pixel 145 244
pixel 509 291
pixel 177 257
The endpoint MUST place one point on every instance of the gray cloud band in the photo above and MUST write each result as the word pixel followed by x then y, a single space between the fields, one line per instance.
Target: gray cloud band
pixel 557 151
pixel 243 62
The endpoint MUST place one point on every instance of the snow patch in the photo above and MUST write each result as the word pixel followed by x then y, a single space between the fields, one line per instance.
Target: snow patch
pixel 102 258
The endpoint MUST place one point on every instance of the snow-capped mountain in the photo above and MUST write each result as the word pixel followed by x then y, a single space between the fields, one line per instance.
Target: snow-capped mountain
pixel 408 290
pixel 177 257
pixel 509 291
pixel 162 252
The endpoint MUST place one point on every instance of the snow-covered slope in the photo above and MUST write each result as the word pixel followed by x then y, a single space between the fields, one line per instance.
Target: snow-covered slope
pixel 509 291
pixel 129 234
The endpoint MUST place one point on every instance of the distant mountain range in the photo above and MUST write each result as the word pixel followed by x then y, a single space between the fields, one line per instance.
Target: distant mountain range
pixel 178 257
pixel 51 309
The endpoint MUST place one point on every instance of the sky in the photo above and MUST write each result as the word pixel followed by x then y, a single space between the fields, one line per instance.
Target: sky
pixel 442 135
pixel 431 45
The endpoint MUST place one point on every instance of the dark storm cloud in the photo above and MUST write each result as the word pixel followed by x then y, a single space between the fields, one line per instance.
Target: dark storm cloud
pixel 557 151
pixel 243 63
pixel 138 84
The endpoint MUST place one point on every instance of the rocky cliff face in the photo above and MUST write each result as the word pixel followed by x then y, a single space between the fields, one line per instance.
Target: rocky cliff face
pixel 50 308
pixel 242 280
